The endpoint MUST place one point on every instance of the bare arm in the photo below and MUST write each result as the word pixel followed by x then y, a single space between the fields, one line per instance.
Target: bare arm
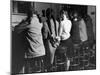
pixel 59 32
pixel 60 29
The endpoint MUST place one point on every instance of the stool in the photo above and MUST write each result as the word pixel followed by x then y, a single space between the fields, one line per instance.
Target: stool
pixel 77 53
pixel 61 59
pixel 77 48
pixel 35 65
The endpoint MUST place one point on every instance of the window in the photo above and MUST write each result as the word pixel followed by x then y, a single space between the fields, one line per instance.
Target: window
pixel 21 7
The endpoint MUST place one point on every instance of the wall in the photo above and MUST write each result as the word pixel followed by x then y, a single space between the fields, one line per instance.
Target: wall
pixel 56 8
pixel 16 18
pixel 92 13
pixel 39 6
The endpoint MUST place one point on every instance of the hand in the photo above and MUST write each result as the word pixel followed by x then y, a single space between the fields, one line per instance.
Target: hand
pixel 58 38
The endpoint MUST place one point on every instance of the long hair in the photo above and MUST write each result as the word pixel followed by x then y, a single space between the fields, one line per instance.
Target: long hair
pixel 49 14
pixel 30 13
pixel 64 12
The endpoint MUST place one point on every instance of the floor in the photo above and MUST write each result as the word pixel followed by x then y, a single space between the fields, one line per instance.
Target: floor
pixel 84 59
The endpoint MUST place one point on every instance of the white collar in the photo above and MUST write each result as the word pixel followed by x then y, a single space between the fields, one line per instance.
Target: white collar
pixel 34 15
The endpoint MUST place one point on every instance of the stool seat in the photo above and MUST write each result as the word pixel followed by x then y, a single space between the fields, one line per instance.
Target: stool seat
pixel 61 49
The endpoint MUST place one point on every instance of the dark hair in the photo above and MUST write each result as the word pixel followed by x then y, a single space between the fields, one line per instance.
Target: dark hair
pixel 61 12
pixel 29 13
pixel 77 15
pixel 43 13
pixel 49 12
pixel 64 12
